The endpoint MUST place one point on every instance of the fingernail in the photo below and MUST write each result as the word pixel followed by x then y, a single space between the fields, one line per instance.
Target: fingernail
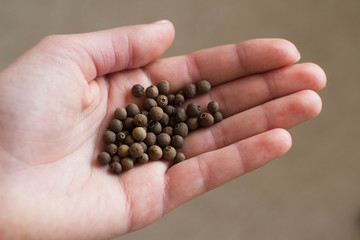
pixel 161 21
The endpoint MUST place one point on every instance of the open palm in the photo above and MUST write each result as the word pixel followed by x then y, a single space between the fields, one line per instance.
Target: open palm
pixel 57 99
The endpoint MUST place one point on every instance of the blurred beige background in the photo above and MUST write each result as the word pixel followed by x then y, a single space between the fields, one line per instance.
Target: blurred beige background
pixel 310 193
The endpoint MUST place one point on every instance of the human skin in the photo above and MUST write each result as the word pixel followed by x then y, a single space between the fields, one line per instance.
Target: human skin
pixel 58 97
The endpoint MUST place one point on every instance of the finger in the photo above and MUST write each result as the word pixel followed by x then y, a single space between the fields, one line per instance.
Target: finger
pixel 200 174
pixel 99 53
pixel 224 63
pixel 242 94
pixel 285 112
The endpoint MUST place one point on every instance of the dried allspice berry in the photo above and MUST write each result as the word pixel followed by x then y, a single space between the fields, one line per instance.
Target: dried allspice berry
pixel 127 163
pixel 154 152
pixel 120 113
pixel 203 87
pixel 206 120
pixel 164 121
pixel 139 134
pixel 162 101
pixel 181 129
pixel 140 120
pixel 177 141
pixel 168 130
pixel 155 127
pixel 132 109
pixel 116 167
pixel 152 92
pixel 149 103
pixel 156 113
pixel 138 90
pixel 170 98
pixel 169 153
pixel 150 139
pixel 120 136
pixel 111 149
pixel 128 124
pixel 115 158
pixel 179 99
pixel 180 115
pixel 193 123
pixel 144 146
pixel 144 158
pixel 129 140
pixel 136 150
pixel 169 110
pixel 218 117
pixel 213 107
pixel 109 137
pixel 104 158
pixel 164 87
pixel 163 140
pixel 193 110
pixel 179 157
pixel 190 90
pixel 115 125
pixel 123 150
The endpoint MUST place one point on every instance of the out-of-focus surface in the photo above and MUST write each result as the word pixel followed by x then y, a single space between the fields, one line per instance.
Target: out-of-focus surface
pixel 310 193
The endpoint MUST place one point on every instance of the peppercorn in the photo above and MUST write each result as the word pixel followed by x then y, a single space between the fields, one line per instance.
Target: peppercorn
pixel 136 150
pixel 128 124
pixel 164 121
pixel 145 113
pixel 111 149
pixel 163 140
pixel 206 120
pixel 154 152
pixel 155 127
pixel 109 137
pixel 120 136
pixel 213 107
pixel 169 153
pixel 150 139
pixel 116 167
pixel 179 157
pixel 127 163
pixel 137 90
pixel 140 120
pixel 179 99
pixel 170 98
pixel 156 113
pixel 193 110
pixel 190 90
pixel 177 141
pixel 132 109
pixel 162 101
pixel 120 113
pixel 180 115
pixel 123 150
pixel 115 125
pixel 149 103
pixel 164 87
pixel 129 140
pixel 172 122
pixel 144 146
pixel 169 110
pixel 104 158
pixel 218 117
pixel 152 92
pixel 139 134
pixel 115 158
pixel 144 158
pixel 168 130
pixel 193 123
pixel 181 129
pixel 203 87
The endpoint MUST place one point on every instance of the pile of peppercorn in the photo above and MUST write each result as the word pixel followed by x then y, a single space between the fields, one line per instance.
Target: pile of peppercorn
pixel 158 130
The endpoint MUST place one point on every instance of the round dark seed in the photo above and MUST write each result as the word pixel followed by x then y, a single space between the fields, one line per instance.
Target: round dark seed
pixel 164 121
pixel 155 127
pixel 193 123
pixel 162 101
pixel 132 109
pixel 139 134
pixel 140 120
pixel 213 107
pixel 129 140
pixel 156 113
pixel 104 158
pixel 120 136
pixel 164 87
pixel 150 139
pixel 177 141
pixel 144 146
pixel 218 117
pixel 115 125
pixel 152 92
pixel 120 113
pixel 172 122
pixel 128 124
pixel 170 98
pixel 115 158
pixel 206 120
pixel 179 157
pixel 168 130
pixel 149 103
pixel 190 90
pixel 180 115
pixel 138 90
pixel 109 137
pixel 111 149
pixel 144 158
pixel 179 99
pixel 136 150
pixel 123 150
pixel 203 87
pixel 193 110
pixel 181 129
pixel 145 113
pixel 169 110
pixel 127 163
pixel 163 140
pixel 169 153
pixel 116 167
pixel 154 152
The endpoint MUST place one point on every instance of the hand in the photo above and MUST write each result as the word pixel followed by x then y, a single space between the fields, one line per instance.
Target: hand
pixel 57 99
